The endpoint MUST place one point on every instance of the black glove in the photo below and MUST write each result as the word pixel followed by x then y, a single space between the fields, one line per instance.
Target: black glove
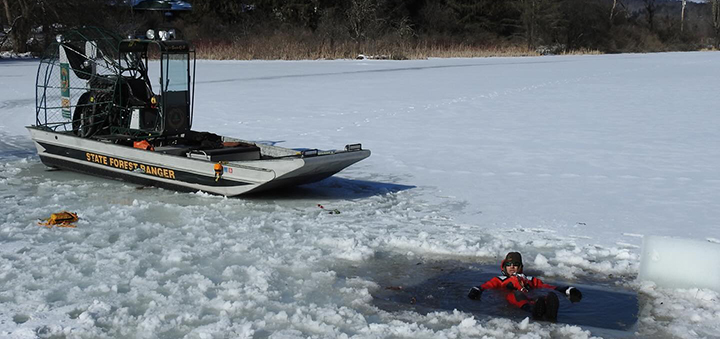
pixel 572 293
pixel 475 293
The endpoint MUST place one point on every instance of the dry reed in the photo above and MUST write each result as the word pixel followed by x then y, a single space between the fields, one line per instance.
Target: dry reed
pixel 307 47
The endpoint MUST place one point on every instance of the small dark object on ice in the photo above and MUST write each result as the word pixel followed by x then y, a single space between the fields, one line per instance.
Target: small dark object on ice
pixel 334 211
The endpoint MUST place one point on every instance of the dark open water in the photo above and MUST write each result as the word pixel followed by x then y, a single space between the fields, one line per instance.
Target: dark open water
pixel 424 287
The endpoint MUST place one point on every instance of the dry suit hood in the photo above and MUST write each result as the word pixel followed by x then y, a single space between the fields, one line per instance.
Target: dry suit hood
pixel 512 257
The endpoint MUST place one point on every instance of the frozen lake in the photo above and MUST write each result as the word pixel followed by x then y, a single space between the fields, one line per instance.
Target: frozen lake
pixel 569 160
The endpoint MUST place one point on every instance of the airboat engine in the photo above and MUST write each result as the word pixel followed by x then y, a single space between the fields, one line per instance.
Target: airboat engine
pixel 97 85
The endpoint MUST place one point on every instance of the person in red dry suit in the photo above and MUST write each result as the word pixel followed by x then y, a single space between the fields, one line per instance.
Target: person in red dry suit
pixel 518 285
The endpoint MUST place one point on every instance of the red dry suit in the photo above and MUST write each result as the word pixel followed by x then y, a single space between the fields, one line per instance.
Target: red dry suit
pixel 517 285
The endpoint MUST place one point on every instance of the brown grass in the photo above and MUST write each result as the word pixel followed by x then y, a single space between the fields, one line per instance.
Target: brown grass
pixel 309 47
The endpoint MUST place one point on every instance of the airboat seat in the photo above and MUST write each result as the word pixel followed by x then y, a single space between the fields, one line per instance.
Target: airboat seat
pixel 139 94
pixel 102 81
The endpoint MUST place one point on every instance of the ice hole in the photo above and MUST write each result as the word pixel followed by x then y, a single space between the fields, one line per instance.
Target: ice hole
pixel 426 286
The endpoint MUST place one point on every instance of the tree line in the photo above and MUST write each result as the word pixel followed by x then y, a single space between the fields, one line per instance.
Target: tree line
pixel 607 26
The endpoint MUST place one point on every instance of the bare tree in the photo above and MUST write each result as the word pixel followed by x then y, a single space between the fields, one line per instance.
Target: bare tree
pixel 614 10
pixel 538 18
pixel 26 15
pixel 682 16
pixel 716 20
pixel 529 13
pixel 361 16
pixel 650 9
pixel 18 14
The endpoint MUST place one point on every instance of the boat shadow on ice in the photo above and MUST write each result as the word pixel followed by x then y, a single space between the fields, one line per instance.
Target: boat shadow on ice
pixel 442 286
pixel 333 188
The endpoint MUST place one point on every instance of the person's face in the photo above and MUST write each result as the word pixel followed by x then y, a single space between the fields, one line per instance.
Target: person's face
pixel 512 268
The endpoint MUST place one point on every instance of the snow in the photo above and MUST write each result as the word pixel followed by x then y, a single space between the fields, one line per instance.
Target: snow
pixel 670 262
pixel 13 55
pixel 571 160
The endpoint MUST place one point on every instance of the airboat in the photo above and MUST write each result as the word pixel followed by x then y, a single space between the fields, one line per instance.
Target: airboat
pixel 97 112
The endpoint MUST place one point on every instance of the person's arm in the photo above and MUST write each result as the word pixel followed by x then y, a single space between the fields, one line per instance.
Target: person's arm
pixel 537 283
pixel 572 293
pixel 476 292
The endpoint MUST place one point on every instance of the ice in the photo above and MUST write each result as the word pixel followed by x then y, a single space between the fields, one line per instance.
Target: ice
pixel 680 263
pixel 570 160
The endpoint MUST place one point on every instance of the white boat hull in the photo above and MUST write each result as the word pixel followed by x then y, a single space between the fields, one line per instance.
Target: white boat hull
pixel 183 173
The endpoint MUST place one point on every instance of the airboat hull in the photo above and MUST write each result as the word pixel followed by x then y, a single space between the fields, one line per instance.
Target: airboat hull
pixel 275 167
